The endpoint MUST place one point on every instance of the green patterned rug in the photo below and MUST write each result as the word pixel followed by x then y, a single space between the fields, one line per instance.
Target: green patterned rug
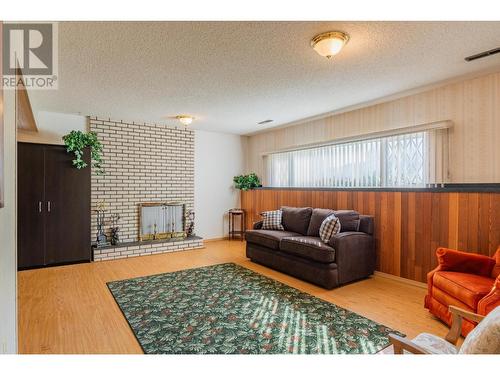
pixel 228 309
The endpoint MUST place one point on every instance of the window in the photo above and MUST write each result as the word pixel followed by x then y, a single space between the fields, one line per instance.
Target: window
pixel 415 159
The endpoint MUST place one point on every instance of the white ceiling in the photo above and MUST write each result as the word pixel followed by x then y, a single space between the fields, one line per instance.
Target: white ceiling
pixel 231 75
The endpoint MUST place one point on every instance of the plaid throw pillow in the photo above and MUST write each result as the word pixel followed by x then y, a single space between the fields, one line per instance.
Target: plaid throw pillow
pixel 272 220
pixel 329 227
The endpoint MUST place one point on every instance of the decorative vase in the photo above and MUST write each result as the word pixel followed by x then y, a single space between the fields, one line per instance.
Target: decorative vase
pixel 101 238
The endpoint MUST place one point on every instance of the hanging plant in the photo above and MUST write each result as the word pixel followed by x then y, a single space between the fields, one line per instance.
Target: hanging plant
pixel 77 141
pixel 247 182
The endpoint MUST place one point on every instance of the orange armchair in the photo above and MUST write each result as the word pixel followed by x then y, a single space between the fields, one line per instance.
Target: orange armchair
pixel 469 281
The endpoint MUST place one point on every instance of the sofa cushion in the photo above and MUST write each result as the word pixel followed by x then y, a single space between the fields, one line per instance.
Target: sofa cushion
pixel 366 224
pixel 461 261
pixel 317 217
pixel 296 219
pixel 309 248
pixel 349 220
pixel 272 220
pixel 329 227
pixel 467 288
pixel 268 238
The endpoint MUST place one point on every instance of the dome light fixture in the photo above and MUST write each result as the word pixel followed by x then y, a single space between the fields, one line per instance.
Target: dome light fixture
pixel 330 43
pixel 185 119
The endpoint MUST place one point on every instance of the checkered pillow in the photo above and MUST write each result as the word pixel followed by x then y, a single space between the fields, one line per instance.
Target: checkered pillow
pixel 272 220
pixel 329 227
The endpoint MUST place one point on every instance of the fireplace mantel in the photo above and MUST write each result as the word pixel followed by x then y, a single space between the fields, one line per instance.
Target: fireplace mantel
pixel 140 248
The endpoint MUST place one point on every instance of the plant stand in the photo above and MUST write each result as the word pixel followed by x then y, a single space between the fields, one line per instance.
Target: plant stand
pixel 236 212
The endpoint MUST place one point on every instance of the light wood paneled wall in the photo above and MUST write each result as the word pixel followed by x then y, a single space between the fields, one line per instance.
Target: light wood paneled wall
pixel 472 104
pixel 409 226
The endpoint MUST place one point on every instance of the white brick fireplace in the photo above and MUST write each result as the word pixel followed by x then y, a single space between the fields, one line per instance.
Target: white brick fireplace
pixel 143 163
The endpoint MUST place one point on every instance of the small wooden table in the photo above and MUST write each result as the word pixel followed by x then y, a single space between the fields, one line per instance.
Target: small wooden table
pixel 236 212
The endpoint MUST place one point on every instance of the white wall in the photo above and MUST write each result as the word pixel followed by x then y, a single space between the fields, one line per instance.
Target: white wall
pixel 218 158
pixel 8 258
pixel 52 126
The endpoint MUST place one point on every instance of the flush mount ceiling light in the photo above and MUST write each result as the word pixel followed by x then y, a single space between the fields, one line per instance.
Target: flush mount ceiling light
pixel 330 43
pixel 185 119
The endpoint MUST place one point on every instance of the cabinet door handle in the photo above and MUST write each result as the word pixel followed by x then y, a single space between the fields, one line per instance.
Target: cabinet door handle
pixel 39 206
pixel 48 206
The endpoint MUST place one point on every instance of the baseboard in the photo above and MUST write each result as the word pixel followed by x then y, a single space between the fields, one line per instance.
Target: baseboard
pixel 401 279
pixel 215 239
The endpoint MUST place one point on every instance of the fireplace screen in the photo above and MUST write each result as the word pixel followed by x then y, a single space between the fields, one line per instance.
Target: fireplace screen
pixel 161 220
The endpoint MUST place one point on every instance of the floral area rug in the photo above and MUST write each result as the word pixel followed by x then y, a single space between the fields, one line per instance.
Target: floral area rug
pixel 228 309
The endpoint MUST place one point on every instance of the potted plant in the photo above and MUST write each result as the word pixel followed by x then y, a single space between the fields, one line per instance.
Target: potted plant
pixel 247 182
pixel 76 141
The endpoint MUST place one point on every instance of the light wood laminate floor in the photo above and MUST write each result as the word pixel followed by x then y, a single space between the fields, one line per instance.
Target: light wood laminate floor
pixel 69 309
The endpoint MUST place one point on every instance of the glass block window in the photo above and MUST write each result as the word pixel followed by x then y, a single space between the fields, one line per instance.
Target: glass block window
pixel 403 160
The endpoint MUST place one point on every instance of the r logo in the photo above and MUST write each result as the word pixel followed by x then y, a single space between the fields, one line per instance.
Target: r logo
pixel 31 46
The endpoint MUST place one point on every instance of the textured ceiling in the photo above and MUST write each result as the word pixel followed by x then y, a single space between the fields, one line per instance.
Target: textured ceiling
pixel 231 75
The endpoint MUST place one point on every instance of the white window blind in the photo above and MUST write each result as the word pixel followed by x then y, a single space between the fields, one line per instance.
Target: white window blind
pixel 415 159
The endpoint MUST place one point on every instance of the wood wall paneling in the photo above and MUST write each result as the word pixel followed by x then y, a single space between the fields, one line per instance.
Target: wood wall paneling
pixel 409 226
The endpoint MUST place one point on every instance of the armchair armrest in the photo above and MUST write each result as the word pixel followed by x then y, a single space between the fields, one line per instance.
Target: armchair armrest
pixel 401 343
pixel 257 225
pixel 456 324
pixel 354 255
pixel 491 300
pixel 459 261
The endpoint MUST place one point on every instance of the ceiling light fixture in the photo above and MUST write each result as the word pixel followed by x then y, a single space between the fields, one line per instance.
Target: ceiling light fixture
pixel 185 119
pixel 330 43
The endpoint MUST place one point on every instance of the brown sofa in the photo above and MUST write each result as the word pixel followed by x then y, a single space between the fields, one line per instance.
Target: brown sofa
pixel 298 250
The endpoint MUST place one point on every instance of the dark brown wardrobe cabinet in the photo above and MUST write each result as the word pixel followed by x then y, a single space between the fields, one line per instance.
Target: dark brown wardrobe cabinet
pixel 53 203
